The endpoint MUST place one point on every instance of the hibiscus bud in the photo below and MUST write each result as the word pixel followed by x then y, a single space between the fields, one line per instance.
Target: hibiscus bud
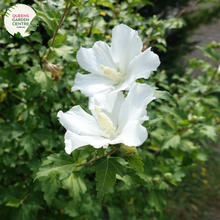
pixel 172 85
pixel 54 69
pixel 175 96
pixel 168 175
pixel 156 179
pixel 117 10
pixel 127 150
pixel 201 118
pixel 194 118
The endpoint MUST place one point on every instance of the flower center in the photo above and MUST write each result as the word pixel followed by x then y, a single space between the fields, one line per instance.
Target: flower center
pixel 110 73
pixel 104 121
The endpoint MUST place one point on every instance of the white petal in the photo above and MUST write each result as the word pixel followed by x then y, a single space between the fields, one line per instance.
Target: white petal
pixel 126 44
pixel 79 122
pixel 134 106
pixel 91 59
pixel 74 141
pixel 90 84
pixel 142 65
pixel 133 134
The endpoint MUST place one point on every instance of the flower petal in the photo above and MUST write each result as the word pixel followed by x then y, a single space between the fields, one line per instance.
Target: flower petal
pixel 134 106
pixel 90 59
pixel 74 141
pixel 126 44
pixel 79 122
pixel 91 84
pixel 142 65
pixel 133 134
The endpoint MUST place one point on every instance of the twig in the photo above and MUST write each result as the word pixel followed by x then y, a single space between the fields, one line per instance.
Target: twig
pixel 185 129
pixel 183 10
pixel 24 199
pixel 77 16
pixel 147 41
pixel 96 158
pixel 59 25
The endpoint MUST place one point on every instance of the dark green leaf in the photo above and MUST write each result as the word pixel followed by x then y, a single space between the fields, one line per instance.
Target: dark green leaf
pixel 136 163
pixel 106 170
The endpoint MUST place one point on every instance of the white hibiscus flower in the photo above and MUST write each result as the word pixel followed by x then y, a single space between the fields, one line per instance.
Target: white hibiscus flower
pixel 114 68
pixel 122 125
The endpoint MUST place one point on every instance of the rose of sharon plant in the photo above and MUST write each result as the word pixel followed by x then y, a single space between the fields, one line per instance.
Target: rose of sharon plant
pixel 122 125
pixel 114 68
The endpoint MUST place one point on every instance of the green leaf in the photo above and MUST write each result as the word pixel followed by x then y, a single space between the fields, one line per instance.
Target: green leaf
pixel 70 209
pixel 163 186
pixel 60 163
pixel 171 122
pixel 106 170
pixel 209 131
pixel 44 80
pixel 173 142
pixel 18 35
pixel 157 199
pixel 50 186
pixel 179 174
pixel 209 52
pixel 36 37
pixel 75 185
pixel 164 95
pixel 150 123
pixel 114 212
pixel 64 51
pixel 33 24
pixel 201 156
pixel 136 163
pixel 59 40
pixel 13 203
pixel 80 156
pixel 28 143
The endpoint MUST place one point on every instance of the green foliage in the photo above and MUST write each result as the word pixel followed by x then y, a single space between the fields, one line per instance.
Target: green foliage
pixel 39 180
pixel 106 170
pixel 33 24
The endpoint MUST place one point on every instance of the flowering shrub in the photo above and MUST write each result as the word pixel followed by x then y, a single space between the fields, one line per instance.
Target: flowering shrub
pixel 113 159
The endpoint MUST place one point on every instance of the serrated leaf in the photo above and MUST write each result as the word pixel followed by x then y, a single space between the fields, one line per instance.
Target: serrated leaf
pixel 28 142
pixel 209 52
pixel 136 163
pixel 106 170
pixel 75 185
pixel 164 95
pixel 62 164
pixel 65 52
pixel 79 156
pixel 50 186
pixel 171 122
pixel 209 131
pixel 163 186
pixel 44 80
pixel 150 123
pixel 13 203
pixel 173 142
pixel 36 37
pixel 157 199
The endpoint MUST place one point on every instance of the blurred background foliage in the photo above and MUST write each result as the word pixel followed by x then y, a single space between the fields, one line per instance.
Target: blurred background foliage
pixel 181 155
